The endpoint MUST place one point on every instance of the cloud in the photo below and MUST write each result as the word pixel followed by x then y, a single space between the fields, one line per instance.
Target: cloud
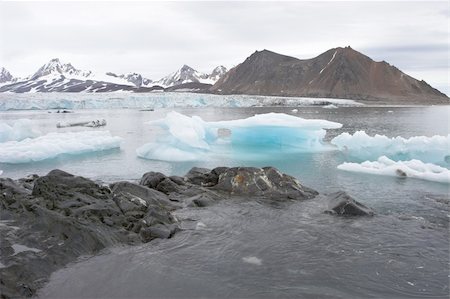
pixel 156 38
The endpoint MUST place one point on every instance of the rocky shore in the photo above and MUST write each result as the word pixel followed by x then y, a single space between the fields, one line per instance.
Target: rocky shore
pixel 49 221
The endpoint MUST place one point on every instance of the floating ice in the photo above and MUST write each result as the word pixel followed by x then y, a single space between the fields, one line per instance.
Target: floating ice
pixel 413 168
pixel 252 260
pixel 434 149
pixel 191 138
pixel 21 129
pixel 330 106
pixel 55 144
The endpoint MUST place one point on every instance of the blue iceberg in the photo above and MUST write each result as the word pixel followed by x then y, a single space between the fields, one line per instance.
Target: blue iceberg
pixel 191 138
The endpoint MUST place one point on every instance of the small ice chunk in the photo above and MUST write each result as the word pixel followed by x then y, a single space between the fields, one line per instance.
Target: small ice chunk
pixel 413 169
pixel 252 260
pixel 433 149
pixel 200 225
pixel 330 106
pixel 21 129
pixel 54 144
pixel 21 248
pixel 294 110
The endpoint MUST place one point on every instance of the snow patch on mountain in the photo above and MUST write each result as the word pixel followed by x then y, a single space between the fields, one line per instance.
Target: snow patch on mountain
pixel 186 74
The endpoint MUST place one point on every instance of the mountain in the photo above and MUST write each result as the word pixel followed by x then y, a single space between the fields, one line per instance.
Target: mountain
pixel 337 73
pixel 133 78
pixel 56 76
pixel 186 74
pixel 5 76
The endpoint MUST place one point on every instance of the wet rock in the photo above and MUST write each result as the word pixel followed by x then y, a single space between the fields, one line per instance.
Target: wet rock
pixel 152 179
pixel 340 203
pixel 204 177
pixel 64 216
pixel 265 182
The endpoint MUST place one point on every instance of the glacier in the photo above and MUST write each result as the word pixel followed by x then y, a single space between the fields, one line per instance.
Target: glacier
pixel 52 145
pixel 412 168
pixel 435 149
pixel 19 130
pixel 187 138
pixel 45 101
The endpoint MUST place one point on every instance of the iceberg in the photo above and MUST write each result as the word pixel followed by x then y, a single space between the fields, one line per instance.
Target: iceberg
pixel 54 144
pixel 191 138
pixel 412 168
pixel 434 149
pixel 21 129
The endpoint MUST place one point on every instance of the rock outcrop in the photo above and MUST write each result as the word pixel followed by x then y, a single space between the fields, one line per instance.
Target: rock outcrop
pixel 50 221
pixel 56 218
pixel 342 204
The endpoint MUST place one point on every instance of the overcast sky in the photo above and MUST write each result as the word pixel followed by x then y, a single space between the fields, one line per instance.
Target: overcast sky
pixel 156 38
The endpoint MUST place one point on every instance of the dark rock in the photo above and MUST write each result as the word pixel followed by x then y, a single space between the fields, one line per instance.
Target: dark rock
pixel 168 186
pixel 152 179
pixel 64 216
pixel 341 203
pixel 267 182
pixel 200 176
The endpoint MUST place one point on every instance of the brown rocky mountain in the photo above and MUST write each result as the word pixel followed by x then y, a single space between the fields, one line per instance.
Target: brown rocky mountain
pixel 337 73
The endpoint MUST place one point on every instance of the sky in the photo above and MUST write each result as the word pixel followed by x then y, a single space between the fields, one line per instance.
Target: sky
pixel 156 38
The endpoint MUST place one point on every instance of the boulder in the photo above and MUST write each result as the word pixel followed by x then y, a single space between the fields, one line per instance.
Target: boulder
pixel 342 204
pixel 263 182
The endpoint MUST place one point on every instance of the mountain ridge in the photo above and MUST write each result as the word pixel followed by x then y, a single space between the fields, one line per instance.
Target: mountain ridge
pixel 336 73
pixel 56 76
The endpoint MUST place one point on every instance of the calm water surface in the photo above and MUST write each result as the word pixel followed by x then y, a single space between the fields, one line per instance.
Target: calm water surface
pixel 244 248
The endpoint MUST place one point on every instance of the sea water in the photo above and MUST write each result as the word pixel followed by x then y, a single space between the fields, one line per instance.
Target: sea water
pixel 247 248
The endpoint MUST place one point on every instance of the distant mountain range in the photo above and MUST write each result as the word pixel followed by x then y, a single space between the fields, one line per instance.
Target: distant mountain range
pixel 336 73
pixel 56 76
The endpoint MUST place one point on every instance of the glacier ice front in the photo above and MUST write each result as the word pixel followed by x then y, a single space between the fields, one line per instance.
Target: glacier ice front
pixel 52 145
pixel 19 130
pixel 435 149
pixel 413 168
pixel 191 138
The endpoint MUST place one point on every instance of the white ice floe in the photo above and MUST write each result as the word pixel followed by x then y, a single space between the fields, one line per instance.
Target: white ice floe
pixel 413 169
pixel 252 260
pixel 434 149
pixel 330 106
pixel 19 130
pixel 191 138
pixel 54 144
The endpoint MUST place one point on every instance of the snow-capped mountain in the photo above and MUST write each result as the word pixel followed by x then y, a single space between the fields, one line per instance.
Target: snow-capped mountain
pixel 133 78
pixel 5 76
pixel 56 76
pixel 55 67
pixel 217 73
pixel 186 74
